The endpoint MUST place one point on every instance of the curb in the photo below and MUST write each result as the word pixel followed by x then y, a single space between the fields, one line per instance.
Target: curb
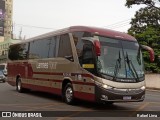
pixel 153 89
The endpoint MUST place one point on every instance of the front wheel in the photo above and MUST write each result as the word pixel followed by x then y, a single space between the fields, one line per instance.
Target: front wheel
pixel 69 94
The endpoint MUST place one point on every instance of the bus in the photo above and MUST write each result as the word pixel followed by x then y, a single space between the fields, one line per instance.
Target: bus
pixel 80 62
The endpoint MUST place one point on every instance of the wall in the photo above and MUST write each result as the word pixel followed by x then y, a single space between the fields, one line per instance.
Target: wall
pixel 153 81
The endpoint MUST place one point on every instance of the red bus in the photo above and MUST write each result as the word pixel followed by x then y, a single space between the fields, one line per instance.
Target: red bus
pixel 80 62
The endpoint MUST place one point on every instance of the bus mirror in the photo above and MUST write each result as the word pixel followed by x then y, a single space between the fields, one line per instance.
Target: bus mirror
pixel 151 51
pixel 97 47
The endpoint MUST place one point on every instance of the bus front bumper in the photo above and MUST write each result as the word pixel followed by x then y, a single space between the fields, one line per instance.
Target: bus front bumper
pixel 118 95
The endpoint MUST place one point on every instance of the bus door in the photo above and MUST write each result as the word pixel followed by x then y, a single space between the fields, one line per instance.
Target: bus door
pixel 89 69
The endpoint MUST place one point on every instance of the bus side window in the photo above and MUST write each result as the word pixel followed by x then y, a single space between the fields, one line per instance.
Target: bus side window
pixel 88 59
pixel 79 43
pixel 65 49
pixel 18 51
pixel 52 47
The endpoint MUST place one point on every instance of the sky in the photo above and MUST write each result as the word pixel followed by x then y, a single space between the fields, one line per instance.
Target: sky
pixel 35 17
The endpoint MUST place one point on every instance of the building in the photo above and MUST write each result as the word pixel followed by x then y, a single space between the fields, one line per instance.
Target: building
pixel 2 19
pixel 6 13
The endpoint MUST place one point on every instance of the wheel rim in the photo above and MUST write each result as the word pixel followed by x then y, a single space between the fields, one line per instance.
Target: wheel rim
pixel 19 86
pixel 69 94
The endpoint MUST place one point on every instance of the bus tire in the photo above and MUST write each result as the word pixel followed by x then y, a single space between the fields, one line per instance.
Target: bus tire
pixel 69 94
pixel 19 86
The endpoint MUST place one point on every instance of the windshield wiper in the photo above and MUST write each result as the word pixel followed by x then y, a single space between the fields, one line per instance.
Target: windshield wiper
pixel 131 67
pixel 138 56
pixel 117 66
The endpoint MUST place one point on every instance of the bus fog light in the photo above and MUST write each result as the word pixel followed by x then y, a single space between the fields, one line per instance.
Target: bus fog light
pixel 104 97
pixel 143 88
pixel 143 96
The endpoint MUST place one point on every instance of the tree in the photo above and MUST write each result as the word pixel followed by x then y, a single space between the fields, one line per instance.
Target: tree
pixel 145 27
pixel 149 3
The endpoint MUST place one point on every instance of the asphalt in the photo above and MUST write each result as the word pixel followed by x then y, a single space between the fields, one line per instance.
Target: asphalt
pixel 152 81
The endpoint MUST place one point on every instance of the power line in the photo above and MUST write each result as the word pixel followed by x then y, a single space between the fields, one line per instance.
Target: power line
pixel 31 26
pixel 120 26
pixel 119 23
pixel 111 26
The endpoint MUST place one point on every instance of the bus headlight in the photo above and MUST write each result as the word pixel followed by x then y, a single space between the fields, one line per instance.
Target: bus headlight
pixel 103 85
pixel 143 88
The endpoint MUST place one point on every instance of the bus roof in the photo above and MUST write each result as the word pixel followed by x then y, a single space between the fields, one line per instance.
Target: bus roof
pixel 93 30
pixel 103 32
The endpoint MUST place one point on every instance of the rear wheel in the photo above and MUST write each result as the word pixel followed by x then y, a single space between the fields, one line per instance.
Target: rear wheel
pixel 19 85
pixel 69 94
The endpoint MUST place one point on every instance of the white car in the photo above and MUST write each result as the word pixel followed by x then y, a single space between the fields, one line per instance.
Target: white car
pixel 3 67
pixel 2 76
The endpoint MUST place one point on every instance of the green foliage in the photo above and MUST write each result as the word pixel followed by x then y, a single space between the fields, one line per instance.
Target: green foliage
pixel 149 3
pixel 145 27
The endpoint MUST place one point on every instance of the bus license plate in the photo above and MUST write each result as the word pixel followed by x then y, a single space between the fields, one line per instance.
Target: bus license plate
pixel 126 97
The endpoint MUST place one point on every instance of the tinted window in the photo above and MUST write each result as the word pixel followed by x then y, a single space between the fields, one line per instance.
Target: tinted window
pixel 42 48
pixel 79 44
pixel 65 49
pixel 52 47
pixel 18 52
pixel 89 57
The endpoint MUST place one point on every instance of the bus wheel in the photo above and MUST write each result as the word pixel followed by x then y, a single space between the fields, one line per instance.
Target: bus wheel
pixel 69 94
pixel 19 85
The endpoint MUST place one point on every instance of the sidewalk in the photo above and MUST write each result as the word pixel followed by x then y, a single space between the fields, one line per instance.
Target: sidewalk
pixel 153 81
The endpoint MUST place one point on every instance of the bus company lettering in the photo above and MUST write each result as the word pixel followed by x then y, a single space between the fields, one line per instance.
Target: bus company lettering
pixel 52 65
pixel 42 65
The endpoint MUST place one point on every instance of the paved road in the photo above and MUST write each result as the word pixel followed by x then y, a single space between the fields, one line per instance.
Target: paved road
pixel 11 100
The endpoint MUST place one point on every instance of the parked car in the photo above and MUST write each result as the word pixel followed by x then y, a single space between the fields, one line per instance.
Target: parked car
pixel 2 76
pixel 3 68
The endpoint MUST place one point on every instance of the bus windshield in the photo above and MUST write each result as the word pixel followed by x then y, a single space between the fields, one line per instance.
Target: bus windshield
pixel 120 59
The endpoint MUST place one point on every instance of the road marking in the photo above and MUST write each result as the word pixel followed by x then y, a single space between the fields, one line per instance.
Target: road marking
pixel 74 114
pixel 153 95
pixel 139 108
pixel 156 103
pixel 71 115
pixel 152 90
pixel 27 104
pixel 45 107
pixel 30 107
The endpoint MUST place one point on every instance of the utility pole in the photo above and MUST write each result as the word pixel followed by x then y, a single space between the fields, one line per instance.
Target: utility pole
pixel 20 34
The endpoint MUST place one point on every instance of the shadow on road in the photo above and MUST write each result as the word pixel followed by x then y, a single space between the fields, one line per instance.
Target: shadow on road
pixel 78 103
